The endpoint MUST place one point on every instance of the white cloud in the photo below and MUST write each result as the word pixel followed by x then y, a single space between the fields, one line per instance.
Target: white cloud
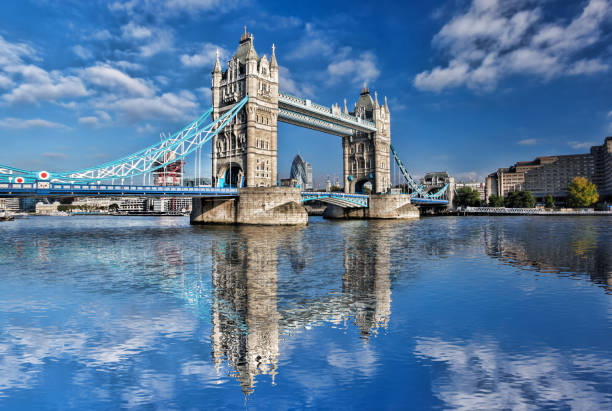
pixel 40 85
pixel 6 82
pixel 206 93
pixel 528 142
pixel 148 40
pixel 580 144
pixel 494 39
pixel 168 106
pixel 13 53
pixel 101 35
pixel 125 65
pixel 117 81
pixel 82 52
pixel 205 57
pixel 289 85
pixel 442 77
pixel 100 119
pixel 610 114
pixel 19 123
pixel 28 83
pixel 135 32
pixel 588 67
pixel 170 8
pixel 362 68
pixel 314 43
pixel 55 156
pixel 146 129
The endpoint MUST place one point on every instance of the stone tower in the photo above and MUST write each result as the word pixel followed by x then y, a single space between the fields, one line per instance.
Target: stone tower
pixel 244 153
pixel 366 155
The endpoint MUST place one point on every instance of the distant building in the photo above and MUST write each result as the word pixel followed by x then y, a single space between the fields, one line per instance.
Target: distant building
pixel 301 171
pixel 42 208
pixel 133 205
pixel 172 205
pixel 10 205
pixel 474 185
pixel 552 174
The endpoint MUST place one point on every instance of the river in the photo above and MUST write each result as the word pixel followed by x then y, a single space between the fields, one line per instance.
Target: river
pixel 440 313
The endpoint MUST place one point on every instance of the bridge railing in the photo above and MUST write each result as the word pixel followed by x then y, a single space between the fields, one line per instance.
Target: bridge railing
pixel 60 188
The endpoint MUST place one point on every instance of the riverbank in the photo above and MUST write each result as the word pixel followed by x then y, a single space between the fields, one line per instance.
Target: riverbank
pixel 501 211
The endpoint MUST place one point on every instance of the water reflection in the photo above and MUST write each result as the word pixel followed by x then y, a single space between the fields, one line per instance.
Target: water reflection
pixel 480 375
pixel 574 247
pixel 141 315
pixel 248 319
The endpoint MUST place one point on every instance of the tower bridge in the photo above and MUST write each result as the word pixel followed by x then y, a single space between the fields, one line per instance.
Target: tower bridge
pixel 241 126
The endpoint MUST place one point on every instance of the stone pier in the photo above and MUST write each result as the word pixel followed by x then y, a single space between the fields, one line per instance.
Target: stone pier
pixel 381 206
pixel 256 205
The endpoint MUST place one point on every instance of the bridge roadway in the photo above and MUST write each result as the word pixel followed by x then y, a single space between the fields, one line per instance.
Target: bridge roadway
pixel 304 113
pixel 44 189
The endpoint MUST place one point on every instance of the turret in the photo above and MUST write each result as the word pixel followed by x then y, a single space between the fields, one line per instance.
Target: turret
pixel 251 57
pixel 273 63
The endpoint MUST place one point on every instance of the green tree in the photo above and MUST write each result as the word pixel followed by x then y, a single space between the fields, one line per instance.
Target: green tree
pixel 113 208
pixel 496 201
pixel 336 188
pixel 519 199
pixel 467 197
pixel 581 193
pixel 549 201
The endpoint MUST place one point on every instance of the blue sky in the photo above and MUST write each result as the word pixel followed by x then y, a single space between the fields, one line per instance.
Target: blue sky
pixel 473 85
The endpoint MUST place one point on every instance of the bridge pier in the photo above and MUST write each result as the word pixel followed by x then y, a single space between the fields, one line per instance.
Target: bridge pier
pixel 255 205
pixel 380 206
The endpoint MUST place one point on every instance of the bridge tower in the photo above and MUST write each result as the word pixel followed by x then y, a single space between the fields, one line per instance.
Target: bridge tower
pixel 244 154
pixel 366 155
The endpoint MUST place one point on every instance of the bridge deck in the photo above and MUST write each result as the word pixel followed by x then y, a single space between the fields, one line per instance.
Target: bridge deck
pixel 120 190
pixel 46 189
pixel 305 113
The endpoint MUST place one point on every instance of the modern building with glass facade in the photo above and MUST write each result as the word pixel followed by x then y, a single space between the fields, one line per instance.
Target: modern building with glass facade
pixel 301 171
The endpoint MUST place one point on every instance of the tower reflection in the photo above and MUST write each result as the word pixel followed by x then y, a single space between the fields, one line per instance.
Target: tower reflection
pixel 252 309
pixel 245 313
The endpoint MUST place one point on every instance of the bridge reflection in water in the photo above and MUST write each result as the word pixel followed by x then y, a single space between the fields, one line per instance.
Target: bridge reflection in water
pixel 257 285
pixel 253 308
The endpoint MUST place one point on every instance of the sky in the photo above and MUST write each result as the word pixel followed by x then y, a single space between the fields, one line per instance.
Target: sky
pixel 472 85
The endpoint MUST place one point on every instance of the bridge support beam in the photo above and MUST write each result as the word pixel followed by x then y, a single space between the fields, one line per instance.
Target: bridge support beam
pixel 256 205
pixel 381 206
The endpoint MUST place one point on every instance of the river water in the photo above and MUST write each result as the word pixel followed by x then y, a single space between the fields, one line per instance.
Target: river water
pixel 441 313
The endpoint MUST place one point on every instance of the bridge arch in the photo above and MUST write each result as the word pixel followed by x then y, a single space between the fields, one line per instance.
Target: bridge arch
pixel 358 186
pixel 230 175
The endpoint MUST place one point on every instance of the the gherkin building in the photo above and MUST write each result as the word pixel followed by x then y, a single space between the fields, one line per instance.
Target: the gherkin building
pixel 301 171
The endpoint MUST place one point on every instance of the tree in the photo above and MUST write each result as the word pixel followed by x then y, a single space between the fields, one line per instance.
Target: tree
pixel 550 202
pixel 581 193
pixel 519 199
pixel 467 197
pixel 496 201
pixel 113 208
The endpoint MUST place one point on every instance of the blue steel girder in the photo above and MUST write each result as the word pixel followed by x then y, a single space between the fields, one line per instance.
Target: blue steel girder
pixel 339 199
pixel 317 111
pixel 173 148
pixel 314 123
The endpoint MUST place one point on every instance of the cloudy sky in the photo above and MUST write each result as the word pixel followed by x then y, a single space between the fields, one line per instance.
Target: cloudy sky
pixel 473 85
